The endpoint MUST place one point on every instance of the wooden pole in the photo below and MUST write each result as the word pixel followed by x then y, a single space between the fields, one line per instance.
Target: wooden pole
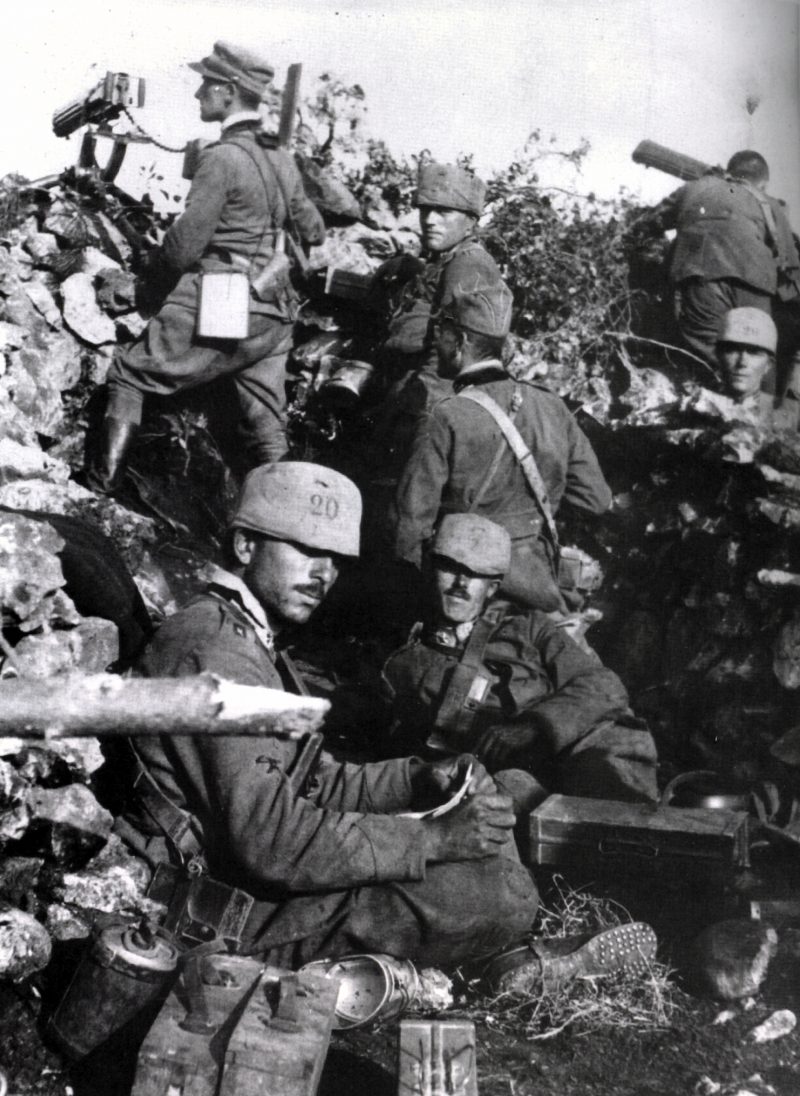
pixel 72 706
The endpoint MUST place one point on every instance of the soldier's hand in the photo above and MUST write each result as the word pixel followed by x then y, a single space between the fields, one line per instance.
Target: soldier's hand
pixel 476 828
pixel 443 778
pixel 506 747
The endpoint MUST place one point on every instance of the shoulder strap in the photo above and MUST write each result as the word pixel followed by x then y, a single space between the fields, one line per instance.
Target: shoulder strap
pixel 466 688
pixel 296 249
pixel 177 825
pixel 773 236
pixel 520 450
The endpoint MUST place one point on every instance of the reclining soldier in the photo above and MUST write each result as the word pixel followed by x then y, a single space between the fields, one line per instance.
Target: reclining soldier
pixel 330 864
pixel 507 685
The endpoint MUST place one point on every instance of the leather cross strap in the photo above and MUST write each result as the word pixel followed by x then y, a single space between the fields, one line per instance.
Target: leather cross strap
pixel 520 450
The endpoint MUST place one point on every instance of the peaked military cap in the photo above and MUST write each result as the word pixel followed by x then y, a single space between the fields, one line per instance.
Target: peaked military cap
pixel 475 542
pixel 301 502
pixel 749 327
pixel 482 308
pixel 234 64
pixel 446 186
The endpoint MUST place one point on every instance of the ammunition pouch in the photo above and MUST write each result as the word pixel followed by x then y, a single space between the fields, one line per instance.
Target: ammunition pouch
pixel 578 571
pixel 200 909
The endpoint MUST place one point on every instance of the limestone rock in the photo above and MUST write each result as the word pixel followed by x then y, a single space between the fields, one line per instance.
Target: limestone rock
pixel 94 261
pixel 116 291
pixel 24 944
pixel 42 247
pixel 90 646
pixel 67 825
pixel 775 1026
pixel 12 336
pixel 82 314
pixel 53 359
pixel 19 461
pixel 114 881
pixel 43 302
pixel 14 813
pixel 30 573
pixel 40 494
pixel 786 660
pixel 731 958
pixel 19 878
pixel 63 923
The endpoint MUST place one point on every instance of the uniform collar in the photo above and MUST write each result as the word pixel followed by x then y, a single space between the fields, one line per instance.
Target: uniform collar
pixel 451 636
pixel 239 118
pixel 235 589
pixel 488 365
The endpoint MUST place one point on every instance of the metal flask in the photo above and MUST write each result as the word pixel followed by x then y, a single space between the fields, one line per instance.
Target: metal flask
pixel 124 968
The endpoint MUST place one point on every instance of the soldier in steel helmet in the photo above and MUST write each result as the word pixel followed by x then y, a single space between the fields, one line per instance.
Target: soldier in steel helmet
pixel 746 346
pixel 450 202
pixel 482 676
pixel 464 460
pixel 331 865
pixel 243 191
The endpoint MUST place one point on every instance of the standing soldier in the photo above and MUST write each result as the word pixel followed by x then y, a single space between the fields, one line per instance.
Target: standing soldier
pixel 450 201
pixel 733 248
pixel 505 449
pixel 243 192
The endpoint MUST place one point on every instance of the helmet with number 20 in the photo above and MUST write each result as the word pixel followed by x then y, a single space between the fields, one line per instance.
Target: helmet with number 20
pixel 304 503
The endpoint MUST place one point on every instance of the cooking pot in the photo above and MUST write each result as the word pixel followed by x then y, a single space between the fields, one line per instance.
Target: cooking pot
pixel 706 789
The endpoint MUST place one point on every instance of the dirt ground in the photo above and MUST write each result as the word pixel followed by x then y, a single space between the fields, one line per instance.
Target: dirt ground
pixel 688 1056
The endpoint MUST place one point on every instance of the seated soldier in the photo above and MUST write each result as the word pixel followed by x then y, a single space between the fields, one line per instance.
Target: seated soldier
pixel 508 685
pixel 328 864
pixel 746 347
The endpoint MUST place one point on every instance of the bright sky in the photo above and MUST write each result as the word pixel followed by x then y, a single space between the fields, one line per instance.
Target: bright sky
pixel 448 75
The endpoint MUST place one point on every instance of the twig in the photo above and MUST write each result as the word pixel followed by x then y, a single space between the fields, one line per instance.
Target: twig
pixel 624 336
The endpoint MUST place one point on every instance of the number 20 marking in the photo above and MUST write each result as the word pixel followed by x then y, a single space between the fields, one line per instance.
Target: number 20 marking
pixel 324 506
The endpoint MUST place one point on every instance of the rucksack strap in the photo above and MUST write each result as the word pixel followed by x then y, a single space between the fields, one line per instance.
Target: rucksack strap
pixel 520 450
pixel 466 689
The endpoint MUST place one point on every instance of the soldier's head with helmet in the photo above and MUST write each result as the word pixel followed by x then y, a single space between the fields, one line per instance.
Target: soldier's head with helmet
pixel 746 346
pixel 450 201
pixel 294 524
pixel 472 328
pixel 234 79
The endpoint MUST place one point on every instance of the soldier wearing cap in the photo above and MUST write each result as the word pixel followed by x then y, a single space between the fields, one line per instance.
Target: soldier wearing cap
pixel 331 864
pixel 243 191
pixel 510 686
pixel 746 346
pixel 450 201
pixel 463 461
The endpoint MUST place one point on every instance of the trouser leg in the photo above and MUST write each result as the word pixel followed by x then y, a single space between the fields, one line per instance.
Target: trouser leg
pixel 700 306
pixel 467 909
pixel 612 761
pixel 261 388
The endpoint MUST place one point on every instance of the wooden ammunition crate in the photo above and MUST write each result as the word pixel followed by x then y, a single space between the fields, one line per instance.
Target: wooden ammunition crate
pixel 604 836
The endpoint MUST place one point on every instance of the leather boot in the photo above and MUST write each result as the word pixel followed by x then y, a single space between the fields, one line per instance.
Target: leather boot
pixel 104 473
pixel 548 965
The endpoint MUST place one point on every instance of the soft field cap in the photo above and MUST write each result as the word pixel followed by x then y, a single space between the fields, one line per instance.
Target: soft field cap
pixel 234 64
pixel 485 309
pixel 749 327
pixel 445 186
pixel 474 542
pixel 302 502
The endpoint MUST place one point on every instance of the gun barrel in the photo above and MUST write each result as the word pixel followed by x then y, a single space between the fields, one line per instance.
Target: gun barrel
pixel 666 159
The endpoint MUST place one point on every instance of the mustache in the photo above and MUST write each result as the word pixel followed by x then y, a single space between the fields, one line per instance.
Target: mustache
pixel 456 591
pixel 313 589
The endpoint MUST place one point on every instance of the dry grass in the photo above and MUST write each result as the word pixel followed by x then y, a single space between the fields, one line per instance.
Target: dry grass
pixel 636 1002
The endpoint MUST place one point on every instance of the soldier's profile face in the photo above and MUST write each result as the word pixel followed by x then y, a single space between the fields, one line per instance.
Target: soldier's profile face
pixel 743 368
pixel 443 228
pixel 213 99
pixel 289 580
pixel 459 594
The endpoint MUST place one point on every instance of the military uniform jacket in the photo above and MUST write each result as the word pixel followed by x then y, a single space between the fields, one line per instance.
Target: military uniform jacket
pixel 231 212
pixel 412 300
pixel 455 445
pixel 723 232
pixel 256 834
pixel 537 677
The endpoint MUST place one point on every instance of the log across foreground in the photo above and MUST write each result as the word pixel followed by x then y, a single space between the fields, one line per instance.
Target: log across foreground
pixel 74 705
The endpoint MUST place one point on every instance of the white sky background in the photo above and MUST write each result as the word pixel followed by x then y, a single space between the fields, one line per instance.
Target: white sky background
pixel 448 75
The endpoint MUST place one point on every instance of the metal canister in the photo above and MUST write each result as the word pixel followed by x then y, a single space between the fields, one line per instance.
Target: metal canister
pixel 372 987
pixel 124 968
